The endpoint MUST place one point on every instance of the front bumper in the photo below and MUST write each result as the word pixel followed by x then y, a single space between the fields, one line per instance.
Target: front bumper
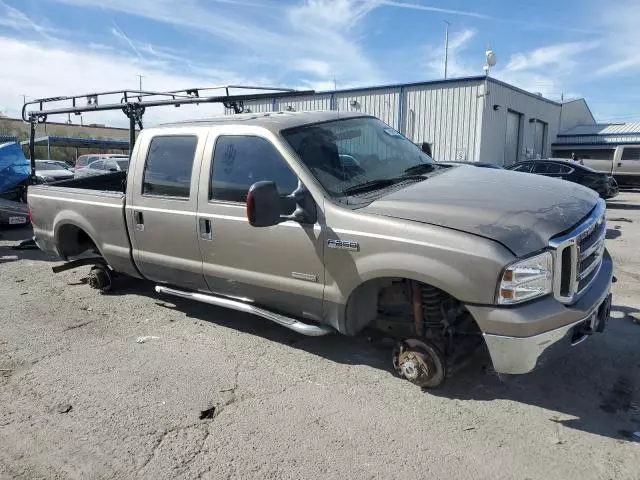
pixel 520 339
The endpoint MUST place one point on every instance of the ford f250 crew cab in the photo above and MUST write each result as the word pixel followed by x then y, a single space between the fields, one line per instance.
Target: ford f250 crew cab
pixel 334 222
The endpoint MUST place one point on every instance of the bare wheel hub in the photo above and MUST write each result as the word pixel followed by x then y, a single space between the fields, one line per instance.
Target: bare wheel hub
pixel 100 279
pixel 420 362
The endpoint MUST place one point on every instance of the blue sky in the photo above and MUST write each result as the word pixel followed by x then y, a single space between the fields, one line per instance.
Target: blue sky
pixel 570 47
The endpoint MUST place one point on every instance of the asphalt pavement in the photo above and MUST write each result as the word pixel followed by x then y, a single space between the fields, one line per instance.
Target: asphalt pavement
pixel 136 385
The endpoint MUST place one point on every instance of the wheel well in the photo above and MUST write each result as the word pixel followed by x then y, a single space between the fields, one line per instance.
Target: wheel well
pixel 73 240
pixel 404 308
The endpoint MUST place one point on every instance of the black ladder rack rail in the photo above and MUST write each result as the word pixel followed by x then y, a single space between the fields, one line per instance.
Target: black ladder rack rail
pixel 133 103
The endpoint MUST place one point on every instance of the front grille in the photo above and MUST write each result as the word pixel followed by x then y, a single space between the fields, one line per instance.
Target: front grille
pixel 578 255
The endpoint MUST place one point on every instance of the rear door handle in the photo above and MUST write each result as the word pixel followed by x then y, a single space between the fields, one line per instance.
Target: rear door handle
pixel 139 220
pixel 619 164
pixel 205 229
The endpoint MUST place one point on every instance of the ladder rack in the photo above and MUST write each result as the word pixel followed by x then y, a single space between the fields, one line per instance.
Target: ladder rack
pixel 133 103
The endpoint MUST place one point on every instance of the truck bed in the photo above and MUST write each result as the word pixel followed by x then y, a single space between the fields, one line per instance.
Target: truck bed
pixel 72 217
pixel 109 182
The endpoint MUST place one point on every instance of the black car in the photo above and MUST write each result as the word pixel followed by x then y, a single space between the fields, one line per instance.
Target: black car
pixel 473 164
pixel 604 184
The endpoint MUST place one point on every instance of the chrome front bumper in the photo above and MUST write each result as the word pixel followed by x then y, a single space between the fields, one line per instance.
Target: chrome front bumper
pixel 523 338
pixel 517 355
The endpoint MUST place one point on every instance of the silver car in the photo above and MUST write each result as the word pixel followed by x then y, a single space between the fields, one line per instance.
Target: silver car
pixel 104 165
pixel 52 171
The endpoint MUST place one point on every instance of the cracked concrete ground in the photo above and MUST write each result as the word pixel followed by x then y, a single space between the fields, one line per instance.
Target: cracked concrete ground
pixel 278 405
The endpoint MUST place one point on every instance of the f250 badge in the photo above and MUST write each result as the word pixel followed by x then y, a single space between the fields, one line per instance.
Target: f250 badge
pixel 343 244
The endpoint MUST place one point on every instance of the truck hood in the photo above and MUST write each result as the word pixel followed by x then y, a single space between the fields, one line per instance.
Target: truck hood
pixel 522 211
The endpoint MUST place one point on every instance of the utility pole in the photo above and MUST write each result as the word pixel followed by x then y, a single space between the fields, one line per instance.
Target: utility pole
pixel 140 77
pixel 446 47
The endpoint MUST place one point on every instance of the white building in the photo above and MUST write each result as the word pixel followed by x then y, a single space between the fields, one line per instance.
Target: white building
pixel 474 119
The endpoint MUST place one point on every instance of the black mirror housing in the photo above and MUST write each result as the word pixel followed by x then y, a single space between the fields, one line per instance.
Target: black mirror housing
pixel 263 204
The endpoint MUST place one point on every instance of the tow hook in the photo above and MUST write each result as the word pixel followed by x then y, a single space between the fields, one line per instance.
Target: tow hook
pixel 420 362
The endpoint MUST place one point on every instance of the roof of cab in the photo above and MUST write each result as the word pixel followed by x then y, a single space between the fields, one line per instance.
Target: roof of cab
pixel 274 121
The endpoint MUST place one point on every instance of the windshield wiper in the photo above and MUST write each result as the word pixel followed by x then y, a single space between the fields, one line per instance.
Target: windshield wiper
pixel 369 186
pixel 421 168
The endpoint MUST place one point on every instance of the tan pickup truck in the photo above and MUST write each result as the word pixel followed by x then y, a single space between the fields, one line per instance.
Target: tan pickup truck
pixel 622 162
pixel 334 222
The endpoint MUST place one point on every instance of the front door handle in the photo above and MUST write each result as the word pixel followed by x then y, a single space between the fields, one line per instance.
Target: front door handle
pixel 205 229
pixel 139 220
pixel 619 164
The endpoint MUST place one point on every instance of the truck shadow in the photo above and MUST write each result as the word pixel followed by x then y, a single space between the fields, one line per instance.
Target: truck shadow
pixel 596 389
pixel 16 235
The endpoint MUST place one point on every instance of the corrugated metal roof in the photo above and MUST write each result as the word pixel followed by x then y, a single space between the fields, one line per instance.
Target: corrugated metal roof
pixel 475 78
pixel 603 129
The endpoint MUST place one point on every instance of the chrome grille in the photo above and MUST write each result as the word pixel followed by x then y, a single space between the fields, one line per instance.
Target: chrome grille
pixel 578 256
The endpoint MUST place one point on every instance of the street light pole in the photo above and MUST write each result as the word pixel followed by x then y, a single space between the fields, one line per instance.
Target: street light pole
pixel 140 77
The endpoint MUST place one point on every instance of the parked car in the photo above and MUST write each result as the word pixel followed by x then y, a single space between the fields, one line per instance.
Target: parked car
pixel 83 160
pixel 13 212
pixel 604 184
pixel 104 165
pixel 256 213
pixel 622 162
pixel 473 164
pixel 52 171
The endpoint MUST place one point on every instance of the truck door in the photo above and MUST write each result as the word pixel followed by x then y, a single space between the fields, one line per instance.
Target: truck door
pixel 279 267
pixel 161 209
pixel 627 169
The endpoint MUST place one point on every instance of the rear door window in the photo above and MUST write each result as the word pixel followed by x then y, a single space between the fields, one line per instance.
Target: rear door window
pixel 540 167
pixel 631 153
pixel 167 172
pixel 557 168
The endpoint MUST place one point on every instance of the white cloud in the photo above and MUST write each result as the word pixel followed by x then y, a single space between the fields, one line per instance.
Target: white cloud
pixel 325 34
pixel 54 70
pixel 621 53
pixel 558 56
pixel 456 65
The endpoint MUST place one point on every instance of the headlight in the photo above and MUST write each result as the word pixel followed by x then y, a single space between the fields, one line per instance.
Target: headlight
pixel 526 279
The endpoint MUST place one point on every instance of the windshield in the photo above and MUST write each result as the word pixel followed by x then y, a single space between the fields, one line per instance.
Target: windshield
pixel 345 154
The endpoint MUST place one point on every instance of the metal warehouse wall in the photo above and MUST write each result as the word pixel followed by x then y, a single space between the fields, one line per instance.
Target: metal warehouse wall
pixel 494 122
pixel 575 113
pixel 382 103
pixel 449 116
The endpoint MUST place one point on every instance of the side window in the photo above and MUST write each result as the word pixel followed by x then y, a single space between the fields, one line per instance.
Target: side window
pixel 631 153
pixel 524 167
pixel 540 167
pixel 240 161
pixel 167 172
pixel 98 165
pixel 557 168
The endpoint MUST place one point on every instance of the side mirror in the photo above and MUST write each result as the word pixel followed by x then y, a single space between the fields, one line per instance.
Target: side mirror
pixel 113 169
pixel 426 148
pixel 263 204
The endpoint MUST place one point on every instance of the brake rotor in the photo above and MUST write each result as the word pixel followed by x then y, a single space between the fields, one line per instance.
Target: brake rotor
pixel 100 279
pixel 420 362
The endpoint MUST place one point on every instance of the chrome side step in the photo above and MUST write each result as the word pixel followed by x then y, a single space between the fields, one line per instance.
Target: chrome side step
pixel 291 323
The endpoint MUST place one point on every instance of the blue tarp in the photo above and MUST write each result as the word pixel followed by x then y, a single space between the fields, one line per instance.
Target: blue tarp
pixel 14 167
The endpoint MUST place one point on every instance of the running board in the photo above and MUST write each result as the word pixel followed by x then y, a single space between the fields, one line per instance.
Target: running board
pixel 290 323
